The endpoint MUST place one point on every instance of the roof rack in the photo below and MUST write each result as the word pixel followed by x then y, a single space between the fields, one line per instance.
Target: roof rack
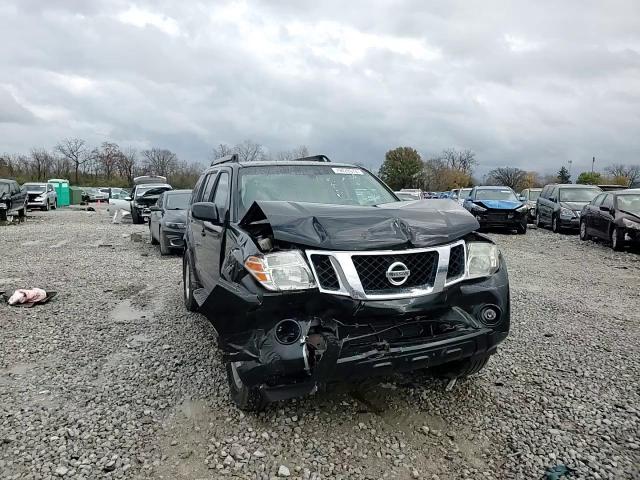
pixel 313 158
pixel 227 159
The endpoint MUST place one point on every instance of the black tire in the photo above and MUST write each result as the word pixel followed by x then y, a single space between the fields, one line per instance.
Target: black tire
pixel 153 239
pixel 188 283
pixel 583 231
pixel 164 248
pixel 617 239
pixel 135 216
pixel 55 204
pixel 555 224
pixel 3 215
pixel 246 398
pixel 522 228
pixel 461 368
pixel 22 213
pixel 538 222
pixel 47 206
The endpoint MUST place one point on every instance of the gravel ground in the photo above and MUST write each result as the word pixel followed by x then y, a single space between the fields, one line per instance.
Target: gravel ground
pixel 115 379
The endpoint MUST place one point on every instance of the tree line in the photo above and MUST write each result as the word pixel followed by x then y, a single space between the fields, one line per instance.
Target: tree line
pixel 111 165
pixel 404 167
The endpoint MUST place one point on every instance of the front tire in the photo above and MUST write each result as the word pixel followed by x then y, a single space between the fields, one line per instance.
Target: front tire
pixel 188 283
pixel 617 239
pixel 461 368
pixel 135 216
pixel 522 229
pixel 583 231
pixel 55 204
pixel 153 239
pixel 539 223
pixel 47 207
pixel 164 248
pixel 246 398
pixel 555 224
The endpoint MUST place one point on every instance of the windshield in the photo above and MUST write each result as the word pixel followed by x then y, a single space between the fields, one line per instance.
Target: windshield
pixel 496 194
pixel 311 183
pixel 534 194
pixel 629 203
pixel 578 194
pixel 4 188
pixel 464 193
pixel 30 187
pixel 178 201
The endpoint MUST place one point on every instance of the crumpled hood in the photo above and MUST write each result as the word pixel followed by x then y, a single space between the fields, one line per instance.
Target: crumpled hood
pixel 417 223
pixel 575 206
pixel 499 204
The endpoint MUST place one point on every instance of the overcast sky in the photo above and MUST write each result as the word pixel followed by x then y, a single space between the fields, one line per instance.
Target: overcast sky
pixel 526 85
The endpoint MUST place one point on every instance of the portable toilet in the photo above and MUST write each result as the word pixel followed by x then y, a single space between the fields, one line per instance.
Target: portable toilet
pixel 75 195
pixel 62 189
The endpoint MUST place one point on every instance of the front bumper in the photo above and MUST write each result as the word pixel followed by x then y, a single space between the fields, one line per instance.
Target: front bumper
pixel 501 220
pixel 343 339
pixel 174 238
pixel 569 223
pixel 34 204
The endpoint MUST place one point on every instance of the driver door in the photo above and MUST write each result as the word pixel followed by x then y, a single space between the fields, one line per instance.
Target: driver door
pixel 213 233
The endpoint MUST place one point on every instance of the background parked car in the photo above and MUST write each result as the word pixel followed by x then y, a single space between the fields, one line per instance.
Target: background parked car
pixel 91 194
pixel 13 200
pixel 559 205
pixel 497 207
pixel 168 219
pixel 145 194
pixel 41 195
pixel 613 216
pixel 530 197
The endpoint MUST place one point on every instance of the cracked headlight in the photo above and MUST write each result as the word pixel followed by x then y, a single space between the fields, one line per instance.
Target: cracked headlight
pixel 630 224
pixel 566 213
pixel 482 259
pixel 523 208
pixel 477 208
pixel 281 271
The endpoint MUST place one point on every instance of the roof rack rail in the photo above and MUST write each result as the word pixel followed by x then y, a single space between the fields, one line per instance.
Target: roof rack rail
pixel 313 158
pixel 227 159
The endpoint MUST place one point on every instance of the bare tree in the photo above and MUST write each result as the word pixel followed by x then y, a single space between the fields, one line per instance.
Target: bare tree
pixel 462 160
pixel 41 163
pixel 127 163
pixel 108 157
pixel 75 151
pixel 222 150
pixel 508 176
pixel 629 172
pixel 288 155
pixel 160 161
pixel 249 151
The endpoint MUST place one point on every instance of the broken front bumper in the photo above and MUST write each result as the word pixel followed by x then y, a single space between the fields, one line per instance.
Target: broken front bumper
pixel 291 344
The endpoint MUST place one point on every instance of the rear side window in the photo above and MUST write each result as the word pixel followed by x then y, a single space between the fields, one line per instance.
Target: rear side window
pixel 160 200
pixel 221 198
pixel 196 190
pixel 554 194
pixel 545 192
pixel 208 187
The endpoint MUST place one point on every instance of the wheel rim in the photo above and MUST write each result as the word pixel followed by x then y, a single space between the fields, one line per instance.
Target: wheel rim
pixel 583 230
pixel 237 381
pixel 614 238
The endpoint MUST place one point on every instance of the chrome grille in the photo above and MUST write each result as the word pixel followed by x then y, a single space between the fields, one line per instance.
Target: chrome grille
pixel 325 272
pixel 456 262
pixel 372 270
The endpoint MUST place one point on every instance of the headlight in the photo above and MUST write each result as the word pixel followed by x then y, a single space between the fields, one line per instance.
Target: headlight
pixel 477 208
pixel 281 271
pixel 174 225
pixel 482 259
pixel 630 224
pixel 565 212
pixel 39 199
pixel 523 208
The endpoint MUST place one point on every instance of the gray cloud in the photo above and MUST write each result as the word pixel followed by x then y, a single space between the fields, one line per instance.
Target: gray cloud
pixel 521 84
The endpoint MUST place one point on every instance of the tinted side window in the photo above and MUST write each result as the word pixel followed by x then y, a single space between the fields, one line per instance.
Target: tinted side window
pixel 196 190
pixel 545 192
pixel 160 200
pixel 221 198
pixel 608 201
pixel 208 187
pixel 554 193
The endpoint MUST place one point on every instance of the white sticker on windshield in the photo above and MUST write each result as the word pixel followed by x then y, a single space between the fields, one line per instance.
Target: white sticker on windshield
pixel 347 171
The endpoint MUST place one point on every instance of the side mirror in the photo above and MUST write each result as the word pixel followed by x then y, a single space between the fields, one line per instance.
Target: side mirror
pixel 205 211
pixel 552 200
pixel 128 199
pixel 604 208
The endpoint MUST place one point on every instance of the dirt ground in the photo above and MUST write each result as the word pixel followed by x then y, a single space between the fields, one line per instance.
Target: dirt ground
pixel 115 379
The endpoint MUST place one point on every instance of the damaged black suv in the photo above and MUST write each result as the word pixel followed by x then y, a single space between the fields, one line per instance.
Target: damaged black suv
pixel 313 272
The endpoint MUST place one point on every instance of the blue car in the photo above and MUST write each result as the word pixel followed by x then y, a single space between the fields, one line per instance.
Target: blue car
pixel 497 207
